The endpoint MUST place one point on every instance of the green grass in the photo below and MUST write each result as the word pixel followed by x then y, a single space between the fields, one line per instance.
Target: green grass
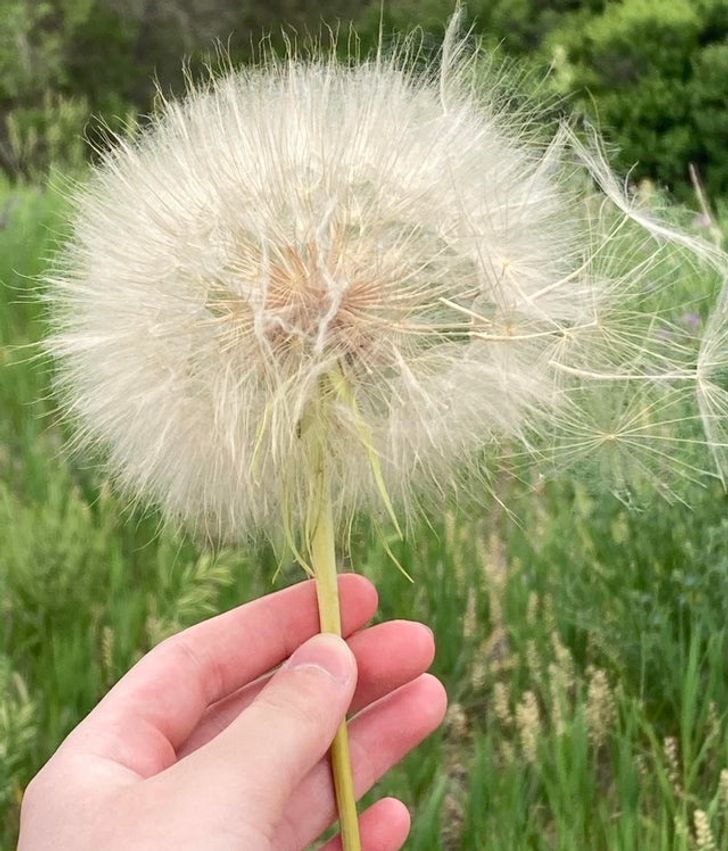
pixel 584 648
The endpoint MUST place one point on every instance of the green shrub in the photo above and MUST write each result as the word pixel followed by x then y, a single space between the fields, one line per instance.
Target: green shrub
pixel 655 76
pixel 653 73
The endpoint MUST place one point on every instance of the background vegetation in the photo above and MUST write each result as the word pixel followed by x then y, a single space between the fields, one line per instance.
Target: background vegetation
pixel 653 73
pixel 584 647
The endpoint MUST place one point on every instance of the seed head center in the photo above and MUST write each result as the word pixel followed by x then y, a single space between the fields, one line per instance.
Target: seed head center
pixel 306 300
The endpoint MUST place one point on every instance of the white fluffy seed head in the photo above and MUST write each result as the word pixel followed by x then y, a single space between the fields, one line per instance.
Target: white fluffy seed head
pixel 371 248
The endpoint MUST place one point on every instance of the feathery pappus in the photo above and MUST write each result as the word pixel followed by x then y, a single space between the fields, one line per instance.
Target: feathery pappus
pixel 381 252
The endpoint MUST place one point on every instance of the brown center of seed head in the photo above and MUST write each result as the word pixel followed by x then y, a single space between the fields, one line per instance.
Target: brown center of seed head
pixel 308 301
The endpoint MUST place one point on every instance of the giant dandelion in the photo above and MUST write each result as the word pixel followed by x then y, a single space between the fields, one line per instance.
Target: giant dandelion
pixel 317 288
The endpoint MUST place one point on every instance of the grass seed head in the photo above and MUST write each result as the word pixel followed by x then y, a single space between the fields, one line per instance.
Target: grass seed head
pixel 601 711
pixel 704 839
pixel 502 704
pixel 528 721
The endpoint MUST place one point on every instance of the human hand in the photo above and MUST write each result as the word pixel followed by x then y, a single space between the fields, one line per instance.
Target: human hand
pixel 200 746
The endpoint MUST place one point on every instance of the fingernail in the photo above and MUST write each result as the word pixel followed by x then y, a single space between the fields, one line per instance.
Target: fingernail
pixel 327 653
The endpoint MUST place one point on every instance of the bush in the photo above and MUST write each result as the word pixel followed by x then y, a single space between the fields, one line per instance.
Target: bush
pixel 655 75
pixel 652 74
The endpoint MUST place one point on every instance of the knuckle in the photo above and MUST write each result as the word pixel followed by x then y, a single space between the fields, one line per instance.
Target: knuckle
pixel 182 651
pixel 303 708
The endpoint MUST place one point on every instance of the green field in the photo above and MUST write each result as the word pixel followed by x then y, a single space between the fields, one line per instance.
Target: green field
pixel 584 644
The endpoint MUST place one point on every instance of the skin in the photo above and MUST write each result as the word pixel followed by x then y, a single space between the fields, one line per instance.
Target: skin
pixel 203 745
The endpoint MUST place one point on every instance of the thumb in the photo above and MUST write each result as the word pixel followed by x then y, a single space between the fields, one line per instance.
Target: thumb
pixel 273 744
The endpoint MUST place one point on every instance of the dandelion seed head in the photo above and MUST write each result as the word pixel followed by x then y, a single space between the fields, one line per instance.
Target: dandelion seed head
pixel 374 245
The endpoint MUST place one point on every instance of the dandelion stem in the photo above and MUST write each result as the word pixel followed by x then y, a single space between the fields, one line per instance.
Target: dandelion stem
pixel 323 562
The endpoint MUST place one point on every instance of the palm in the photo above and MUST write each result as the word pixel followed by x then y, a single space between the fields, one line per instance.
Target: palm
pixel 159 741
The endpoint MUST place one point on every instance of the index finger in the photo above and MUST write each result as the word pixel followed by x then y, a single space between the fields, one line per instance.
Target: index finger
pixel 151 711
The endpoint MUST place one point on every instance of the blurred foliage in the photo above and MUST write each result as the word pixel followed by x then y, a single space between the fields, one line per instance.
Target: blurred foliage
pixel 654 74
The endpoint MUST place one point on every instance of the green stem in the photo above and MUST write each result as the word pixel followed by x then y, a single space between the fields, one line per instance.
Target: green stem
pixel 323 562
